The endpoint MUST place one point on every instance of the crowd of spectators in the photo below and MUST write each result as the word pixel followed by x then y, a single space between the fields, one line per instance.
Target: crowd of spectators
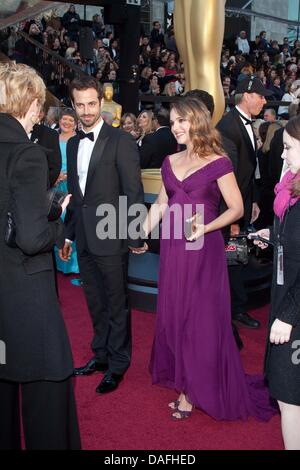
pixel 161 73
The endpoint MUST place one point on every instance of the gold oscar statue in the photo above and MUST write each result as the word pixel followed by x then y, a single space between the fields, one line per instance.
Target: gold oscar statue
pixel 111 111
pixel 199 31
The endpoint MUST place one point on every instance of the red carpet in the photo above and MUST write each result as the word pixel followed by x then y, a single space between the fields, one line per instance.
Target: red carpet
pixel 136 415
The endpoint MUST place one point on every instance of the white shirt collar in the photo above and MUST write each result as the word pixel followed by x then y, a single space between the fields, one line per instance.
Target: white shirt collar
pixel 248 118
pixel 96 130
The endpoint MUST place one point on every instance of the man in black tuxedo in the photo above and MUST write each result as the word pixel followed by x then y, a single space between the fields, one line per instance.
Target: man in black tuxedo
pixel 49 139
pixel 160 143
pixel 237 126
pixel 103 164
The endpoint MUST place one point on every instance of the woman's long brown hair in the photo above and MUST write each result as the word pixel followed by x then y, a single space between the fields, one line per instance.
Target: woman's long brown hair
pixel 206 139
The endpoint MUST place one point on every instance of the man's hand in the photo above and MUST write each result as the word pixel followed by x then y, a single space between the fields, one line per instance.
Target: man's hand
pixel 280 332
pixel 139 251
pixel 65 252
pixel 255 212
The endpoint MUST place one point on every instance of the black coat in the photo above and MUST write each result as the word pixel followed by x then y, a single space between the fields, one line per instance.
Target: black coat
pixel 31 324
pixel 275 160
pixel 284 375
pixel 232 127
pixel 114 171
pixel 49 139
pixel 156 147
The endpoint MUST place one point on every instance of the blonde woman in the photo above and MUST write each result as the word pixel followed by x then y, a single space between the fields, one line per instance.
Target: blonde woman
pixel 38 361
pixel 129 124
pixel 145 125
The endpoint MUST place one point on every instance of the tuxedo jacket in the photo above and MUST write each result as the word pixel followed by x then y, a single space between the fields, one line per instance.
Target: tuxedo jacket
pixel 114 171
pixel 232 127
pixel 49 139
pixel 275 160
pixel 156 147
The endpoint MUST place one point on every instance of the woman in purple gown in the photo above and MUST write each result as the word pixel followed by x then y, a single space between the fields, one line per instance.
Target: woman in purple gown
pixel 194 351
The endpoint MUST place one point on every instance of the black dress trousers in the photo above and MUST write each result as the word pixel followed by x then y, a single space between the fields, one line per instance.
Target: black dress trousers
pixel 48 414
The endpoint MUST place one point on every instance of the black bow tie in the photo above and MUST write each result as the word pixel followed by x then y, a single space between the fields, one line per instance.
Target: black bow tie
pixel 83 135
pixel 248 122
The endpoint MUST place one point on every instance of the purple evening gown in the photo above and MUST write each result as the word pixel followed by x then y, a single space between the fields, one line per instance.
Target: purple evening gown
pixel 194 350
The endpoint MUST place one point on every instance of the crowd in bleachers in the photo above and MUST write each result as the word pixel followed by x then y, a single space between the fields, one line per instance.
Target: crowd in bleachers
pixel 161 71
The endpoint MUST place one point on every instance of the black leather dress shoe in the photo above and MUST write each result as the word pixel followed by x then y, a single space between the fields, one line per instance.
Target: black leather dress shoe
pixel 109 383
pixel 91 367
pixel 245 320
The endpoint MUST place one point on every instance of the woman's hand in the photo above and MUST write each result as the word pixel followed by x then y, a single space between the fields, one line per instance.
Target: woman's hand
pixel 264 233
pixel 197 228
pixel 280 332
pixel 66 202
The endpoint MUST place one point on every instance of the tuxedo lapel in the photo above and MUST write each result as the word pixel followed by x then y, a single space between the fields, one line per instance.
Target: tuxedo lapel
pixel 245 134
pixel 72 162
pixel 97 151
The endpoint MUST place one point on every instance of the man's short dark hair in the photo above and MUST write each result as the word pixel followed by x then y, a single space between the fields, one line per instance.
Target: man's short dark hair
pixel 83 83
pixel 204 97
pixel 162 116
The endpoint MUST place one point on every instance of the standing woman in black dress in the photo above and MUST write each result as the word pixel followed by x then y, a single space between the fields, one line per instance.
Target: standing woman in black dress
pixel 282 365
pixel 36 360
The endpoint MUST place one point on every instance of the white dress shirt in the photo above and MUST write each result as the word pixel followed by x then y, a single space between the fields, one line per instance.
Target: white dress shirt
pixel 249 129
pixel 85 149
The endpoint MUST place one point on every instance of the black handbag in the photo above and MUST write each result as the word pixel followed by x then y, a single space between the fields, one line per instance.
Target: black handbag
pixel 55 199
pixel 237 252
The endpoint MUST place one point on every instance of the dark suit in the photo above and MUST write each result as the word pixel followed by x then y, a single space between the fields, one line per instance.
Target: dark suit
pixel 49 139
pixel 232 127
pixel 156 147
pixel 275 160
pixel 38 353
pixel 113 171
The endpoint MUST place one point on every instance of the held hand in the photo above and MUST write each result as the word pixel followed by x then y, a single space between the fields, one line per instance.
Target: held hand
pixel 264 233
pixel 66 202
pixel 139 251
pixel 65 252
pixel 280 332
pixel 197 228
pixel 234 230
pixel 255 212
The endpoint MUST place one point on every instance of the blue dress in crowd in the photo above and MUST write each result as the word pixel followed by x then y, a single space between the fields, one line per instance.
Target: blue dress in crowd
pixel 70 266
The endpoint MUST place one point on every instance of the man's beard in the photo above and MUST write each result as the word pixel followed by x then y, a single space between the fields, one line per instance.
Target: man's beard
pixel 90 124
